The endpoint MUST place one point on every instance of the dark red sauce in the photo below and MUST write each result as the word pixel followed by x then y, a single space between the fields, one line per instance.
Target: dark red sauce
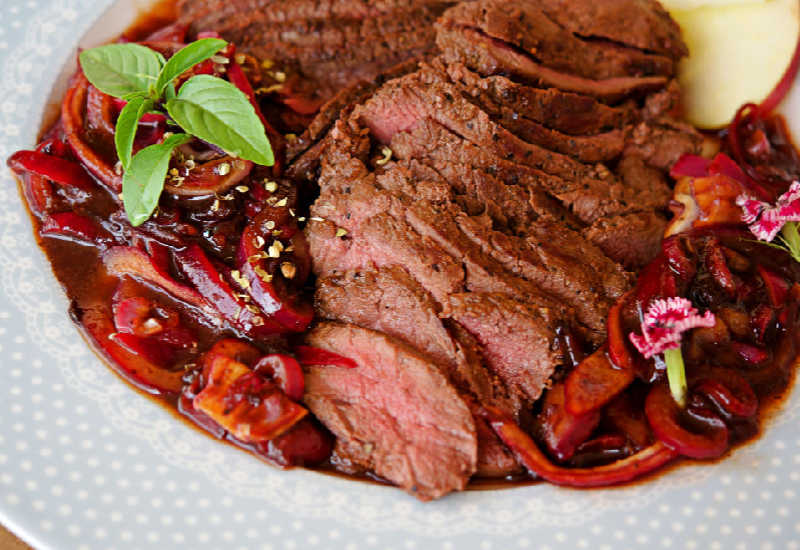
pixel 170 348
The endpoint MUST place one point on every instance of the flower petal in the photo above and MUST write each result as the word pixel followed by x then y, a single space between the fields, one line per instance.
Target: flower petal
pixel 770 224
pixel 664 324
pixel 788 207
pixel 792 195
pixel 751 208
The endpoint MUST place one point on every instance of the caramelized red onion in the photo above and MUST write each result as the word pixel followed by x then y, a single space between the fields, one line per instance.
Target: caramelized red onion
pixel 55 169
pixel 694 432
pixel 199 269
pixel 209 178
pixel 100 112
pixel 784 84
pixel 285 371
pixel 132 262
pixel 562 431
pixel 317 357
pixel 128 356
pixel 75 227
pixel 72 119
pixel 527 452
pixel 777 287
pixel 692 166
pixel 268 290
pixel 730 392
pixel 595 382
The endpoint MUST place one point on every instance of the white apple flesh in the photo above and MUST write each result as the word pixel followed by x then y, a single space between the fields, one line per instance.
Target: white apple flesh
pixel 738 52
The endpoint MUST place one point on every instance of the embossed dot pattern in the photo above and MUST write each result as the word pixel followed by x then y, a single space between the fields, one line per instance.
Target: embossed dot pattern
pixel 87 463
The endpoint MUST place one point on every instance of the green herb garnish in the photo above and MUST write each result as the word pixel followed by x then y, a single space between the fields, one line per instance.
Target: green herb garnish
pixel 205 106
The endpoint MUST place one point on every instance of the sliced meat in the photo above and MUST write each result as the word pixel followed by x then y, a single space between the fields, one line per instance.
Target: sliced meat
pixel 390 301
pixel 383 240
pixel 588 149
pixel 589 289
pixel 552 257
pixel 662 142
pixel 642 24
pixel 598 148
pixel 345 99
pixel 566 112
pixel 523 25
pixel 324 46
pixel 394 414
pixel 403 103
pixel 512 208
pixel 204 15
pixel 335 53
pixel 499 263
pixel 588 200
pixel 488 56
pixel 517 338
pixel 632 239
pixel 649 183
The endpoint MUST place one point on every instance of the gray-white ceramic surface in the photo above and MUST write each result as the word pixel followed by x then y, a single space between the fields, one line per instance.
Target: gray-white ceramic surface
pixel 85 462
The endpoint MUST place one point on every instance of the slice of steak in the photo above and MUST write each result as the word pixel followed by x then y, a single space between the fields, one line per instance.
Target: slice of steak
pixel 383 240
pixel 390 301
pixel 587 149
pixel 522 24
pixel 395 414
pixel 333 54
pixel 568 267
pixel 649 183
pixel 442 224
pixel 570 113
pixel 588 200
pixel 642 24
pixel 488 57
pixel 205 15
pixel 517 338
pixel 662 142
pixel 344 100
pixel 632 239
pixel 590 288
pixel 512 208
pixel 494 458
pixel 356 226
pixel 324 46
pixel 401 104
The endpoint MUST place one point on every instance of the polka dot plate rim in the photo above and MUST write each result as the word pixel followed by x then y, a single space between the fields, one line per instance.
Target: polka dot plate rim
pixel 86 462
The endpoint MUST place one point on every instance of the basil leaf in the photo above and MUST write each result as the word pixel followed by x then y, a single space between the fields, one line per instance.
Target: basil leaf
pixel 127 124
pixel 186 58
pixel 143 182
pixel 218 112
pixel 169 92
pixel 121 69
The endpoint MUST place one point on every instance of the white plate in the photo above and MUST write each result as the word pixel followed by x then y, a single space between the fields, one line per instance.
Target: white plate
pixel 85 462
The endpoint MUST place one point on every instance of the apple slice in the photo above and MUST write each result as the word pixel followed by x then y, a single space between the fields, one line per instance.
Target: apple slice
pixel 672 5
pixel 738 52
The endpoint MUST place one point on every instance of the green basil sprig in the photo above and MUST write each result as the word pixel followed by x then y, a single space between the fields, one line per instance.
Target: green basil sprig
pixel 205 107
pixel 217 111
pixel 143 182
pixel 127 122
pixel 121 69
